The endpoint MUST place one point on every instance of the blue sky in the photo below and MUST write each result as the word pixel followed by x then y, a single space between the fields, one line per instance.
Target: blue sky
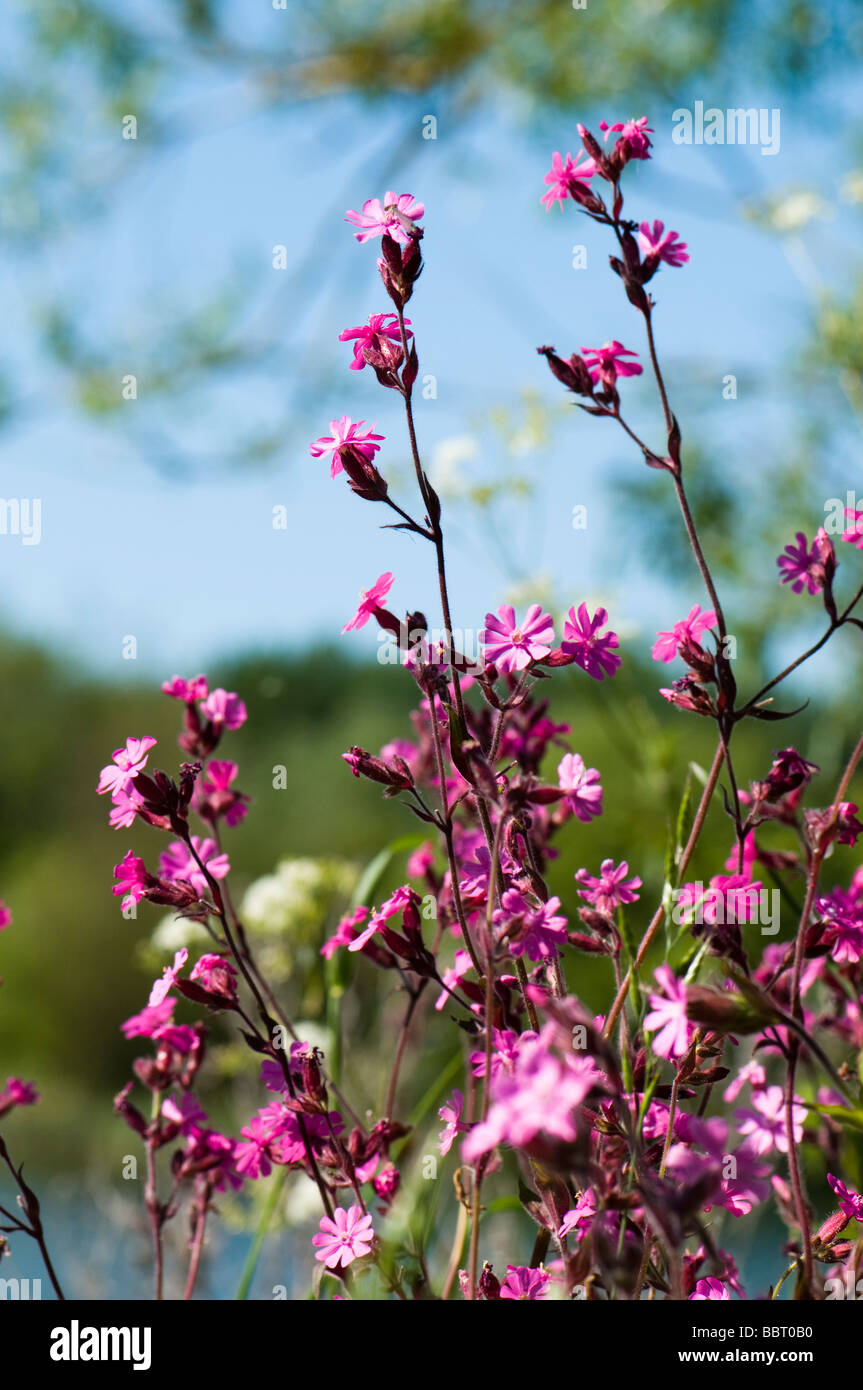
pixel 188 561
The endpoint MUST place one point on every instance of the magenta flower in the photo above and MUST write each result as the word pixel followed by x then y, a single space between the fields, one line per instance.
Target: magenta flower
pixel 370 599
pixel 188 691
pixel 580 1217
pixel 128 762
pixel 512 646
pixel 802 566
pixel 378 217
pixel 537 931
pixel 345 932
pixel 17 1092
pixel 850 1203
pixel 561 174
pixel 658 245
pixel 5 916
pixel 450 1113
pixel 689 629
pixel 396 903
pixel 225 708
pixel 854 534
pixel 582 787
pixel 163 986
pixel 635 134
pixel 216 975
pixel 764 1124
pixel 525 1284
pixel 611 890
pixel 344 431
pixel 592 649
pixel 346 1238
pixel 540 1096
pixel 608 362
pixel 375 338
pixel 132 878
pixel 668 1019
pixel 178 864
pixel 150 1021
pixel 712 1289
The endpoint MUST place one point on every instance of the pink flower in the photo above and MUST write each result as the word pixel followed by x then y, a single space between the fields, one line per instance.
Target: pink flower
pixel 688 629
pixel 450 1113
pixel 345 432
pixel 537 931
pixel 17 1092
pixel 225 708
pixel 216 975
pixel 669 1015
pixel 163 986
pixel 635 134
pixel 370 599
pixel 377 217
pixel 178 864
pixel 525 1284
pixel 752 1074
pixel 373 338
pixel 582 787
pixel 346 1238
pixel 188 691
pixel 345 933
pixel 124 808
pixel 128 762
pixel 540 1096
pixel 592 649
pixel 132 877
pixel 713 1289
pixel 5 916
pixel 854 534
pixel 453 977
pixel 607 363
pixel 150 1021
pixel 511 646
pixel 850 1203
pixel 658 245
pixel 560 176
pixel 611 890
pixel 580 1216
pixel 802 566
pixel 396 903
pixel 764 1123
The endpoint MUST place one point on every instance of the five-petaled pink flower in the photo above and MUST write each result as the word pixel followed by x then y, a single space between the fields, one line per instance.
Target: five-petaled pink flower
pixel 180 689
pixel 372 337
pixel 764 1124
pixel 593 650
pixel 512 646
pixel 128 762
pixel 802 565
pixel 668 1017
pixel 370 599
pixel 561 175
pixel 659 245
pixel 378 217
pixel 345 431
pixel 345 1238
pixel 582 786
pixel 635 134
pixel 611 890
pixel 689 629
pixel 225 708
pixel 608 362
pixel 179 864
